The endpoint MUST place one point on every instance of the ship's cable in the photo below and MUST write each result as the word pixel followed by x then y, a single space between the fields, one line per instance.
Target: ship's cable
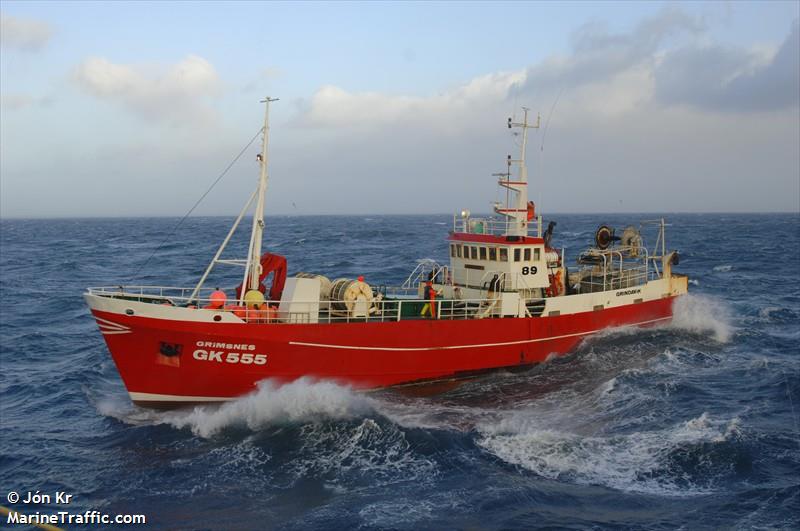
pixel 197 203
pixel 541 146
pixel 550 115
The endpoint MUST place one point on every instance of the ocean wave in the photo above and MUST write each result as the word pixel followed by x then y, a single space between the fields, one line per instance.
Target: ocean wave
pixel 702 314
pixel 403 513
pixel 777 314
pixel 301 401
pixel 345 454
pixel 643 461
pixel 397 514
pixel 722 268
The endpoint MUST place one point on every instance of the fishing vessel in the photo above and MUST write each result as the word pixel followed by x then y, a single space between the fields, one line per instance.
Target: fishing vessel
pixel 506 300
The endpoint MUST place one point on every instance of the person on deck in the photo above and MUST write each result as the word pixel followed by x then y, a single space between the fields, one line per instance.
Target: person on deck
pixel 494 285
pixel 430 296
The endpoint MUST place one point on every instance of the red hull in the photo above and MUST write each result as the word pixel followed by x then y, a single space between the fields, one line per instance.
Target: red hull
pixel 363 355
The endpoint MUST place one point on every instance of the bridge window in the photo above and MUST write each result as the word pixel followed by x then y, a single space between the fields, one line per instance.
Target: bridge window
pixel 503 254
pixel 473 253
pixel 453 250
pixel 493 253
pixel 458 250
pixel 483 253
pixel 517 254
pixel 536 255
pixel 527 254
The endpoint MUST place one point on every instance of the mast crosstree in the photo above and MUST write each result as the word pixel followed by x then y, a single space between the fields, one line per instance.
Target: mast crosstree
pixel 516 207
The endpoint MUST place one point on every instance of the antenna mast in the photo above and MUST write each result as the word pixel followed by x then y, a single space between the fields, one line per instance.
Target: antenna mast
pixel 516 208
pixel 252 272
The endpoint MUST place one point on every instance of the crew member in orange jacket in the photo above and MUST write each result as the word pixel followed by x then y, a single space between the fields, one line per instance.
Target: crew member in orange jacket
pixel 430 296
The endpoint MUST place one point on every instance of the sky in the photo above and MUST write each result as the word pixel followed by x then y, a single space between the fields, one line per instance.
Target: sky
pixel 134 109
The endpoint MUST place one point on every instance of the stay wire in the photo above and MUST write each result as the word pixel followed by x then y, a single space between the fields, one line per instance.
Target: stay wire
pixel 544 136
pixel 197 203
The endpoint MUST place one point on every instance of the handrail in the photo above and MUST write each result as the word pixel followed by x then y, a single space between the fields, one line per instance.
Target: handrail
pixel 418 272
pixel 379 310
pixel 489 225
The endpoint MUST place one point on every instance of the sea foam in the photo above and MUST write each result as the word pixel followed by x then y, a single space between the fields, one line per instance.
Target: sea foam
pixel 303 400
pixel 636 462
pixel 700 313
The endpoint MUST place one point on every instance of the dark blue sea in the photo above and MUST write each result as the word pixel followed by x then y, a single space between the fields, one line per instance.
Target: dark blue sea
pixel 690 426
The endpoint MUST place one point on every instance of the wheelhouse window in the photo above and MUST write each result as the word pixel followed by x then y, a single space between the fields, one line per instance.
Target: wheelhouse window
pixel 474 253
pixel 517 254
pixel 453 250
pixel 536 254
pixel 458 250
pixel 503 254
pixel 493 253
pixel 527 254
pixel 483 253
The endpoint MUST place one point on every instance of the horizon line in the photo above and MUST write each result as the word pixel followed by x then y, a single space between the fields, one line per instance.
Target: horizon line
pixel 477 214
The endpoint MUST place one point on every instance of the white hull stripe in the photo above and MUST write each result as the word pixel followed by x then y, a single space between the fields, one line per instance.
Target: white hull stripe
pixel 479 345
pixel 112 332
pixel 153 397
pixel 109 325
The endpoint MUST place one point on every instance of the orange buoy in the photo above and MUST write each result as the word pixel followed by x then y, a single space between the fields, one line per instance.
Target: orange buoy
pixel 237 310
pixel 262 314
pixel 217 300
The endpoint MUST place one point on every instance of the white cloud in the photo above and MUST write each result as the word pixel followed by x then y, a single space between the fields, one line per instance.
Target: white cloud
pixel 333 106
pixel 615 141
pixel 724 78
pixel 23 33
pixel 263 79
pixel 643 123
pixel 606 73
pixel 177 93
pixel 16 101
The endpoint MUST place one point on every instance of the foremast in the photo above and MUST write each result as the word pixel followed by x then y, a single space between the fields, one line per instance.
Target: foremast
pixel 517 209
pixel 252 264
pixel 252 271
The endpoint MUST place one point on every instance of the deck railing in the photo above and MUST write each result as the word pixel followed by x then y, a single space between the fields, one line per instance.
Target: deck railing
pixel 616 268
pixel 377 310
pixel 492 226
